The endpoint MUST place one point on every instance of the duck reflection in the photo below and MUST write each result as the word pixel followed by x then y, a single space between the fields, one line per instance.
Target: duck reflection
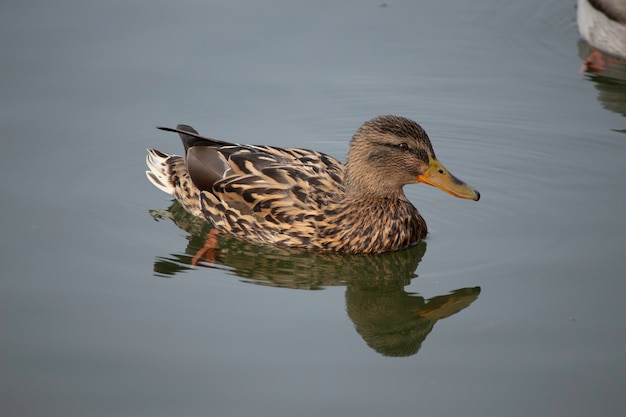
pixel 391 321
pixel 394 322
pixel 610 82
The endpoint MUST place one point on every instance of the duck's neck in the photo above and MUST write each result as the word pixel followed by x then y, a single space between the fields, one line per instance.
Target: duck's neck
pixel 365 185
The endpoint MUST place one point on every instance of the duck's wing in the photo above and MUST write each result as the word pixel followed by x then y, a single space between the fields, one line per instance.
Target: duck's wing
pixel 224 169
pixel 210 160
pixel 261 192
pixel 266 190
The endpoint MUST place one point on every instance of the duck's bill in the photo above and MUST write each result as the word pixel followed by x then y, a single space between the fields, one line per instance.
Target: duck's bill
pixel 438 176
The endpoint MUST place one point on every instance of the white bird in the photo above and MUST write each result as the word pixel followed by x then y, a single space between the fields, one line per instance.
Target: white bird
pixel 602 24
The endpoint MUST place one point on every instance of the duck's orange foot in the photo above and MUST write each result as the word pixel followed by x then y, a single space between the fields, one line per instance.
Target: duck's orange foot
pixel 209 252
pixel 595 62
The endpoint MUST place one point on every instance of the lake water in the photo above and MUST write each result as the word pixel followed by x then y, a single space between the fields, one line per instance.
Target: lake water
pixel 513 306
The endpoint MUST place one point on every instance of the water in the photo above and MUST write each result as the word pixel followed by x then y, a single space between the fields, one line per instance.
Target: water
pixel 513 305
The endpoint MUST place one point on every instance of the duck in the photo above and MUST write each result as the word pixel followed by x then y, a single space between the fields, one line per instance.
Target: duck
pixel 306 199
pixel 602 24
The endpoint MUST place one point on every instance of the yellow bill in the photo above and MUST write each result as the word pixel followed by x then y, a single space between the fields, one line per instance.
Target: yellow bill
pixel 438 176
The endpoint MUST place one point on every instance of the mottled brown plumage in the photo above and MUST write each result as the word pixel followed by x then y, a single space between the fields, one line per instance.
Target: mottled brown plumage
pixel 307 199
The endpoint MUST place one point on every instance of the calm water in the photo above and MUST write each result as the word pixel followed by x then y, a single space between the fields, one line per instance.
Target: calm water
pixel 513 306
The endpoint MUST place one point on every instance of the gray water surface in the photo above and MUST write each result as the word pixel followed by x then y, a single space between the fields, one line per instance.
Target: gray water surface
pixel 513 306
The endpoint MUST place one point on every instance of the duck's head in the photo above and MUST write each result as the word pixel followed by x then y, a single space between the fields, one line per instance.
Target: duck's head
pixel 389 152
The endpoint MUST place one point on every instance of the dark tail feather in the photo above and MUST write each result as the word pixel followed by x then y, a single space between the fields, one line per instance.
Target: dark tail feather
pixel 190 137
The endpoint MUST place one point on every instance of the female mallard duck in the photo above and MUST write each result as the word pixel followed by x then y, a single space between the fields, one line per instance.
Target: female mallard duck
pixel 307 199
pixel 602 23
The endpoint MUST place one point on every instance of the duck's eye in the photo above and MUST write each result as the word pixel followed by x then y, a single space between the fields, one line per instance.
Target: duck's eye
pixel 403 146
